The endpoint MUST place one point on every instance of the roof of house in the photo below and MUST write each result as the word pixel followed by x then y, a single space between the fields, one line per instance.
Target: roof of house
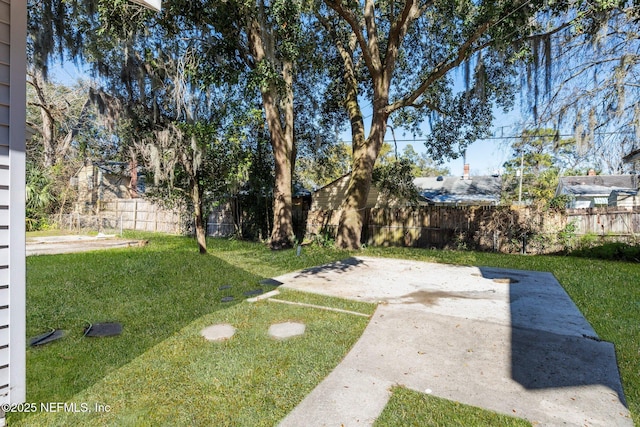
pixel 110 167
pixel 340 178
pixel 454 189
pixel 633 156
pixel 597 185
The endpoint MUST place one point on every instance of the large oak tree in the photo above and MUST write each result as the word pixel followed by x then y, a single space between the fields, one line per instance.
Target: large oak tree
pixel 399 59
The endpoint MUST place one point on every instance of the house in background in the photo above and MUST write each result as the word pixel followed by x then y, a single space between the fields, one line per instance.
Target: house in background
pixel 624 198
pixel 465 190
pixel 600 190
pixel 330 196
pixel 460 191
pixel 632 157
pixel 103 181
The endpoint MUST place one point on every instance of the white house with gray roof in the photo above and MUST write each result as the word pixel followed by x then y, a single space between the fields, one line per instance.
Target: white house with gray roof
pixel 600 190
pixel 442 191
pixel 460 191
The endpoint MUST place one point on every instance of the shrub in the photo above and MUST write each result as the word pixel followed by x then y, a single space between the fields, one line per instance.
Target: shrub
pixel 560 202
pixel 567 236
pixel 611 251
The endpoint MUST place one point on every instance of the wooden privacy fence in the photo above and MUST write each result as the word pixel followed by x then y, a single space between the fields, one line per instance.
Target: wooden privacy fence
pixel 498 228
pixel 130 214
pixel 222 221
pixel 605 221
pixel 143 215
pixel 229 219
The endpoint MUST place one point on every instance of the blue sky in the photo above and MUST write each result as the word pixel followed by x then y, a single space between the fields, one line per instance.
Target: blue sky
pixel 484 157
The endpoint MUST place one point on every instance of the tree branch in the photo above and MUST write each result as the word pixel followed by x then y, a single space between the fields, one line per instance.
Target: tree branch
pixel 428 104
pixel 372 35
pixel 356 28
pixel 397 32
pixel 443 68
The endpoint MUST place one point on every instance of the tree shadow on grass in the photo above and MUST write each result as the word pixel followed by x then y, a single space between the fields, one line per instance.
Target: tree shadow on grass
pixel 152 293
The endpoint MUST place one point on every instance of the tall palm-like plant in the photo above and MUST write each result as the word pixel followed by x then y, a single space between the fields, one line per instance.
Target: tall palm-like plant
pixel 39 197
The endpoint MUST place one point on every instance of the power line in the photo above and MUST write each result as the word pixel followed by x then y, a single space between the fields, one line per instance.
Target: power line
pixel 491 138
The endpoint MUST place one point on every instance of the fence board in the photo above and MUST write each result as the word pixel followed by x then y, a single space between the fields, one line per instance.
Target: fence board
pixel 507 229
pixel 130 214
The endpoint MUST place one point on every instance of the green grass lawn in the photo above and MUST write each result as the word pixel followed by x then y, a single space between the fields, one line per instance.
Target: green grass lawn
pixel 155 292
pixel 250 380
pixel 161 372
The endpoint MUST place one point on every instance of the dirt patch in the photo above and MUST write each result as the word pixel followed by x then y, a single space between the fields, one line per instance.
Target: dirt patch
pixel 506 280
pixel 432 297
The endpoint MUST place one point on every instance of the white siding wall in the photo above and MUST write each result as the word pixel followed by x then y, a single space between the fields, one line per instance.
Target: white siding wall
pixel 13 20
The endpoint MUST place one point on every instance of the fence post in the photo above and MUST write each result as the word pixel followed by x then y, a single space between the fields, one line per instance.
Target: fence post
pixel 135 215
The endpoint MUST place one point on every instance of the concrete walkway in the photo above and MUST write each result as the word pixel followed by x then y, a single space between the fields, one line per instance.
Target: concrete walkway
pixel 50 245
pixel 505 340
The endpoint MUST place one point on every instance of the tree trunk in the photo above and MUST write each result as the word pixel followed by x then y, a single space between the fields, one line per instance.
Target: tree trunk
pixel 281 135
pixel 133 174
pixel 364 157
pixel 48 138
pixel 283 152
pixel 48 123
pixel 282 232
pixel 196 199
pixel 365 151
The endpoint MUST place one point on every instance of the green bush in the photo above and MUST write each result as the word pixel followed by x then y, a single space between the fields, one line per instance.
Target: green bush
pixel 40 197
pixel 588 240
pixel 560 202
pixel 567 235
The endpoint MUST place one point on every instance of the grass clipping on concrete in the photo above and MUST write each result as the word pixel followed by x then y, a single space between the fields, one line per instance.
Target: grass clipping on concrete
pixel 250 379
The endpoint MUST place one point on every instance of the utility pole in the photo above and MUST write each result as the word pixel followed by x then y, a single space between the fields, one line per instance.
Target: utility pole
pixel 521 172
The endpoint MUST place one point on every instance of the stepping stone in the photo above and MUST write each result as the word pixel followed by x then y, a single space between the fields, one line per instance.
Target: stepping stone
pixel 253 292
pixel 220 332
pixel 222 288
pixel 270 282
pixel 286 330
pixel 227 299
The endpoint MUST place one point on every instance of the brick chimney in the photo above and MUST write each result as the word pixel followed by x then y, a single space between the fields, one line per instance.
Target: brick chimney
pixel 465 175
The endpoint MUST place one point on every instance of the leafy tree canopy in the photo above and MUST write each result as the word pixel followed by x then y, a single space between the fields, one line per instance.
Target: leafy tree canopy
pixel 540 158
